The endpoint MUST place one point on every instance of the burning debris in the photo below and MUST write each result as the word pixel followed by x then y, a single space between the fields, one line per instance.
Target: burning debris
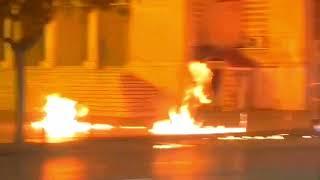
pixel 180 119
pixel 60 120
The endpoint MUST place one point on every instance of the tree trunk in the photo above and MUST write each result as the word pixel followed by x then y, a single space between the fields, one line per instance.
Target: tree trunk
pixel 20 96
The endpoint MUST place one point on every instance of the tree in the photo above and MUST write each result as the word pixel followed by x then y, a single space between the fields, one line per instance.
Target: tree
pixel 29 18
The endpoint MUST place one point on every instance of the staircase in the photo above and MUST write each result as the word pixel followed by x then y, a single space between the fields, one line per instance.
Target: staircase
pixel 109 92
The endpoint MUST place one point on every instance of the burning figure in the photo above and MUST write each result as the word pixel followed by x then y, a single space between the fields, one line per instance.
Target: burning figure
pixel 60 120
pixel 180 119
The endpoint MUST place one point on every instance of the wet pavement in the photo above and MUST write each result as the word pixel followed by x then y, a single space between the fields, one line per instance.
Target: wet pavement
pixel 134 154
pixel 197 157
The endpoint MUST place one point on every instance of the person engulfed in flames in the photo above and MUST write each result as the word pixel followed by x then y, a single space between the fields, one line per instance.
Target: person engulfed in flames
pixel 60 121
pixel 181 119
pixel 195 96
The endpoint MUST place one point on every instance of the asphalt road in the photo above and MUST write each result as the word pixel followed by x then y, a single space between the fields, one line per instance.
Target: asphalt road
pixel 137 155
pixel 182 158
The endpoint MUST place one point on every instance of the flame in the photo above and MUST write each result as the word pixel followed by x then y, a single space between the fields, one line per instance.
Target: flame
pixel 60 120
pixel 180 119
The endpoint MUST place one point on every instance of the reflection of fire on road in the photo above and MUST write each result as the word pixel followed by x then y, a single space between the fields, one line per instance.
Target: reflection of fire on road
pixel 317 127
pixel 60 120
pixel 272 137
pixel 180 119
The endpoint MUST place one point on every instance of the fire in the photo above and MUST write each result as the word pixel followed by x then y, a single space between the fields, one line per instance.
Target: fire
pixel 60 120
pixel 180 119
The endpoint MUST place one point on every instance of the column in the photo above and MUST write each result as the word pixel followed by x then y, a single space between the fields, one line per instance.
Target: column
pixel 50 44
pixel 93 40
pixel 7 50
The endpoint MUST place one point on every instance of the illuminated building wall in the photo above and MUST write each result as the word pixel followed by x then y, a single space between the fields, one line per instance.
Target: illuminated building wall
pixel 126 65
pixel 157 42
pixel 84 55
pixel 271 32
pixel 281 81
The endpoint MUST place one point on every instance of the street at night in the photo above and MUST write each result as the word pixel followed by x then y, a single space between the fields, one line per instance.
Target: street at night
pixel 159 89
pixel 166 158
pixel 269 150
pixel 278 152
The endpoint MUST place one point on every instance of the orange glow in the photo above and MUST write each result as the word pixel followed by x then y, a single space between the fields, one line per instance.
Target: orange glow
pixel 180 119
pixel 273 137
pixel 60 121
pixel 64 168
pixel 307 137
pixel 187 164
pixel 82 111
pixel 132 127
pixel 171 146
pixel 101 126
pixel 230 138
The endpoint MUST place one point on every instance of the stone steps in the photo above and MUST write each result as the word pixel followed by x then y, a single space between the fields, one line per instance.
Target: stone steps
pixel 107 92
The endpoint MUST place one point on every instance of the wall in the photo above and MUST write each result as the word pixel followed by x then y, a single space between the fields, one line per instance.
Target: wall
pixel 279 46
pixel 280 88
pixel 214 22
pixel 287 79
pixel 157 42
pixel 288 31
pixel 222 23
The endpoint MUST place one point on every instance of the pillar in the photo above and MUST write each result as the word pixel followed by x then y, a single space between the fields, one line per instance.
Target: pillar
pixel 50 44
pixel 93 40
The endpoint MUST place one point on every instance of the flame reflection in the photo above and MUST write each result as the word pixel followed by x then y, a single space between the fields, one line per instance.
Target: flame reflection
pixel 171 146
pixel 64 168
pixel 272 137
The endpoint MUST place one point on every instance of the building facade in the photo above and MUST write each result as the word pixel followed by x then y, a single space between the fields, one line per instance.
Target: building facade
pixel 108 59
pixel 130 60
pixel 278 35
